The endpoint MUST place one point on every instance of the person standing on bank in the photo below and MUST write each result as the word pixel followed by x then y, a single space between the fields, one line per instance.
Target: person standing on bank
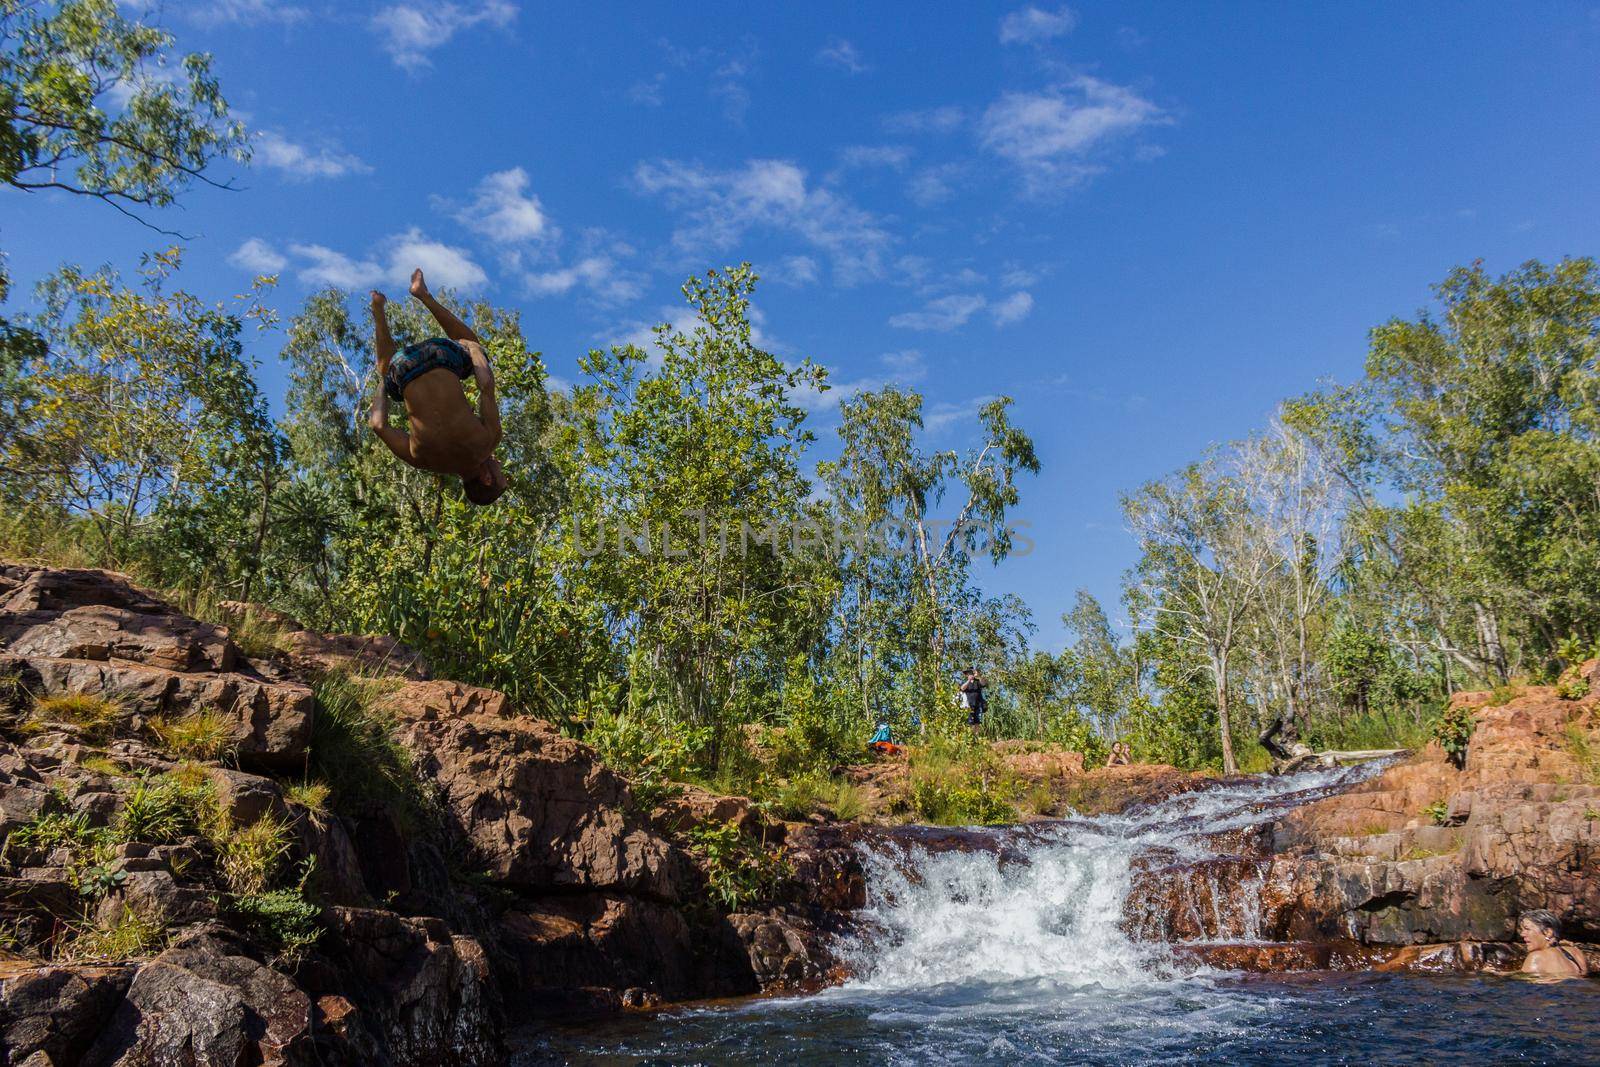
pixel 972 699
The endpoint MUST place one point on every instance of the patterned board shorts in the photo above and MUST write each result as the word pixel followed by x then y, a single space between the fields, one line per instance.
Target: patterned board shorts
pixel 413 361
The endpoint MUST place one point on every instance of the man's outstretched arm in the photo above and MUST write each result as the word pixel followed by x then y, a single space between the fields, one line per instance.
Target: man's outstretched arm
pixel 483 374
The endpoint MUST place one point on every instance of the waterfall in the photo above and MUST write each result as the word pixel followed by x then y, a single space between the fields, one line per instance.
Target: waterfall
pixel 1046 902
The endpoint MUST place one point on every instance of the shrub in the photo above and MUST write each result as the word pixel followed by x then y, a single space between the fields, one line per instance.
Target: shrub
pixel 1581 746
pixel 952 785
pixel 1572 685
pixel 1453 730
pixel 645 747
pixel 739 871
pixel 206 734
pixel 101 765
pixel 1502 695
pixel 52 830
pixel 282 919
pixel 805 795
pixel 311 795
pixel 1438 813
pixel 1041 800
pixel 93 716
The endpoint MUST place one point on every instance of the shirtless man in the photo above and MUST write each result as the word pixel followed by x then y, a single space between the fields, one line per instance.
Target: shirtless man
pixel 1548 954
pixel 446 436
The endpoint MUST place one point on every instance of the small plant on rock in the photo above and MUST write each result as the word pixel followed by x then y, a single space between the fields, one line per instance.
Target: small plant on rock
pixel 283 919
pixel 159 810
pixel 1453 730
pixel 251 856
pixel 129 936
pixel 95 882
pixel 1438 813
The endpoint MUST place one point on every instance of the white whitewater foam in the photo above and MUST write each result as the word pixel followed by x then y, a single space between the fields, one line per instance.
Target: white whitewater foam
pixel 970 916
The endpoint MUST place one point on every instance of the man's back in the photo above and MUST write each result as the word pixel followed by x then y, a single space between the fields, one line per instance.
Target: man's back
pixel 447 436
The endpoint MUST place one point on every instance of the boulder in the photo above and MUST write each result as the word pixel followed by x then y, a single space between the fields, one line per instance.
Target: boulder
pixel 413 988
pixel 538 811
pixel 204 1002
pixel 56 1011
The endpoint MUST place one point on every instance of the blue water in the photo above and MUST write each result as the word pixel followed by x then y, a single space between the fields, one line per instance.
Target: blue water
pixel 1309 1019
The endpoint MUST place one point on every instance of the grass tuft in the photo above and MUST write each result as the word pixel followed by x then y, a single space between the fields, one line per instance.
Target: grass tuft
pixel 206 734
pixel 131 936
pixel 93 716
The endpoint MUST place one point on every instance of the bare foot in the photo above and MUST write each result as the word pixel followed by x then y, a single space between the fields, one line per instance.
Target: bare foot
pixel 419 288
pixel 378 300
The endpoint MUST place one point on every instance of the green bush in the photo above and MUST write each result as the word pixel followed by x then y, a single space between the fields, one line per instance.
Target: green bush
pixel 282 919
pixel 960 785
pixel 1453 730
pixel 645 746
pixel 162 809
pixel 739 871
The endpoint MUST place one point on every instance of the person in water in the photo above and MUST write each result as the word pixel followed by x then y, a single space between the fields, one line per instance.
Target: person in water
pixel 447 436
pixel 1120 756
pixel 1548 955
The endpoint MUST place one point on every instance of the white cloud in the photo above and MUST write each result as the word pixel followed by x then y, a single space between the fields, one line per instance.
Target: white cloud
pixel 447 267
pixel 936 184
pixel 773 194
pixel 941 314
pixel 1013 308
pixel 323 266
pixel 906 365
pixel 408 33
pixel 1032 25
pixel 844 55
pixel 504 211
pixel 792 270
pixel 941 416
pixel 258 257
pixel 246 12
pixel 1018 277
pixel 648 93
pixel 604 278
pixel 945 119
pixel 1051 136
pixel 301 163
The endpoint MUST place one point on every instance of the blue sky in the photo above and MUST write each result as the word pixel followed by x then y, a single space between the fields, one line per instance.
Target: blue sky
pixel 1147 222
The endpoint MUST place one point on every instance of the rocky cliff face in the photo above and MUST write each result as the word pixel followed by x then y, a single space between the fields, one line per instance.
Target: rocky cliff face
pixel 533 882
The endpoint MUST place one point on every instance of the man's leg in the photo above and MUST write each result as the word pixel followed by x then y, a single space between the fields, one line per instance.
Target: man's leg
pixel 453 327
pixel 382 341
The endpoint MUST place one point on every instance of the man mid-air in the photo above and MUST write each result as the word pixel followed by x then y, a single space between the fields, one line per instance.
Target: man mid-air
pixel 447 436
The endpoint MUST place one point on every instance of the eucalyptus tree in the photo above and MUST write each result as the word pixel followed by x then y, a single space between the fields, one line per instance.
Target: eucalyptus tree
pixel 1201 569
pixel 143 400
pixel 99 105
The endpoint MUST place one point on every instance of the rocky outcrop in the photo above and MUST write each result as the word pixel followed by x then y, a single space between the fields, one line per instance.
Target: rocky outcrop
pixel 528 880
pixel 1425 865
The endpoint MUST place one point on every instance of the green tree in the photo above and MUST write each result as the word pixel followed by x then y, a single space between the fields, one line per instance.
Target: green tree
pixel 92 103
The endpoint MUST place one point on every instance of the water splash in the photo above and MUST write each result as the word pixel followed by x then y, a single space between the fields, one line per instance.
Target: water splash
pixel 1046 902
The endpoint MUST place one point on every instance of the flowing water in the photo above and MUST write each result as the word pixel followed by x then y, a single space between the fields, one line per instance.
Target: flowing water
pixel 1015 954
